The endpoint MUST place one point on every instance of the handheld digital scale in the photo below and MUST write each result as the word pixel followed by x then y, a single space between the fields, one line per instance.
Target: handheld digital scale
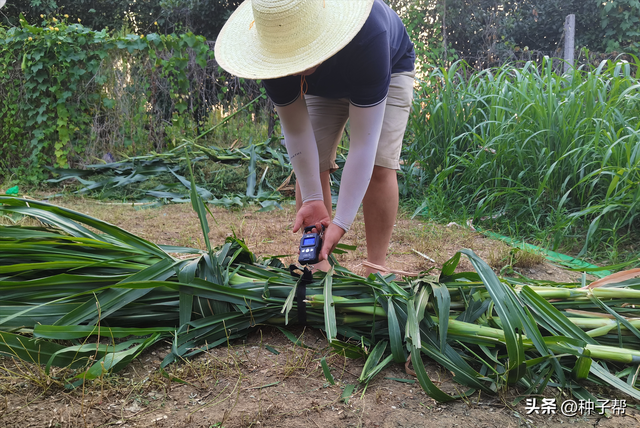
pixel 310 246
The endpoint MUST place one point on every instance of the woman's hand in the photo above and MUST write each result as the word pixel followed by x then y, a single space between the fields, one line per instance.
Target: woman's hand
pixel 330 239
pixel 312 213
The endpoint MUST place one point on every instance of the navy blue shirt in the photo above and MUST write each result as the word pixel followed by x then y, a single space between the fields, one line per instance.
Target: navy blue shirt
pixel 361 71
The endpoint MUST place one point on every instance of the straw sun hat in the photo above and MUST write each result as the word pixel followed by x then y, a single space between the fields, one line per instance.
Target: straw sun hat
pixel 266 39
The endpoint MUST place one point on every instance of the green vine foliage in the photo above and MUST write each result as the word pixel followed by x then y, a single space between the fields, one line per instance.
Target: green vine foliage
pixel 621 24
pixel 56 87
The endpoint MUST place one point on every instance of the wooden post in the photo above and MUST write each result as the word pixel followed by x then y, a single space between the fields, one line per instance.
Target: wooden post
pixel 444 31
pixel 569 41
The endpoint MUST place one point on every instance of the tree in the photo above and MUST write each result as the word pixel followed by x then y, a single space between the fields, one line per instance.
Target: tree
pixel 541 24
pixel 202 17
pixel 490 31
pixel 422 18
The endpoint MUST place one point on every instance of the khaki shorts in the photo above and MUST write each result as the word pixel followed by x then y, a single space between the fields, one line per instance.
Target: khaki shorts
pixel 329 117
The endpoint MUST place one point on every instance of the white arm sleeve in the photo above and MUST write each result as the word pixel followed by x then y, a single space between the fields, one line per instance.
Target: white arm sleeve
pixel 301 147
pixel 366 124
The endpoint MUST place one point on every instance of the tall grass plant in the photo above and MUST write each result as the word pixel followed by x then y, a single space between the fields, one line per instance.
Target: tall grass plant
pixel 527 151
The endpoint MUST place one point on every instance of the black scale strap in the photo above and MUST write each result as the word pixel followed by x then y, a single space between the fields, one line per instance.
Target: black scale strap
pixel 301 292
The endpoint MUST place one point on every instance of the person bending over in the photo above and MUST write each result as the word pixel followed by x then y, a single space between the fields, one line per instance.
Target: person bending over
pixel 324 62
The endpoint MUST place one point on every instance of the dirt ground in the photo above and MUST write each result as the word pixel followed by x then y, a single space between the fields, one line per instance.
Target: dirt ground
pixel 269 233
pixel 267 380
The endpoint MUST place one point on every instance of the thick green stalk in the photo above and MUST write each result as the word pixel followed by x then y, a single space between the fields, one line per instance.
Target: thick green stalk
pixel 578 293
pixel 609 353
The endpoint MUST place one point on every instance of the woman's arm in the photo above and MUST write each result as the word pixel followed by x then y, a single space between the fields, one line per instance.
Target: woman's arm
pixel 366 124
pixel 303 154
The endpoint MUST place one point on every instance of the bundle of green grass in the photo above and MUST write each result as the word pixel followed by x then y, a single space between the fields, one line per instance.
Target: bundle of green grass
pixel 77 278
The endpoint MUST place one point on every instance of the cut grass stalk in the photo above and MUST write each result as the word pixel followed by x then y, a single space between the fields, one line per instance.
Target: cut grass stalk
pixel 504 335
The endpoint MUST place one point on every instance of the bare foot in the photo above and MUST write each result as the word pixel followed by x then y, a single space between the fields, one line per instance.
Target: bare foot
pixel 370 268
pixel 323 265
pixel 368 272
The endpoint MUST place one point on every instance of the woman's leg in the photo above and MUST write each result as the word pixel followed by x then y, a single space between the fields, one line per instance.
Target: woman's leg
pixel 380 203
pixel 380 208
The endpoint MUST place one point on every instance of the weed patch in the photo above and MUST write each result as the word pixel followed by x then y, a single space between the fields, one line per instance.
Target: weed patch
pixel 530 153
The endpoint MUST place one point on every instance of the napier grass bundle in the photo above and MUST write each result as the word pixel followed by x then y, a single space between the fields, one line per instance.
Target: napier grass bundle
pixel 80 293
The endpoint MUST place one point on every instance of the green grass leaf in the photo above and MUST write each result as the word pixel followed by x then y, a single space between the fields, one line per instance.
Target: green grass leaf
pixel 347 393
pixel 327 371
pixel 329 307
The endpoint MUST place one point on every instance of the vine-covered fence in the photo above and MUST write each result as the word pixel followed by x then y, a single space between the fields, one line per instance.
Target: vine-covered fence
pixel 69 94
